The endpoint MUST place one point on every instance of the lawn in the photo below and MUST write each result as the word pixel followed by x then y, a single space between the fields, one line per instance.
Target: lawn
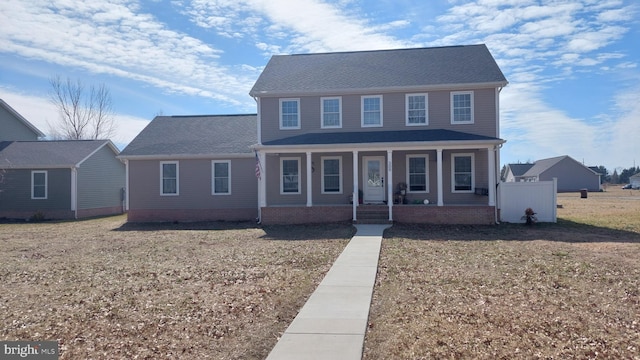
pixel 551 291
pixel 105 289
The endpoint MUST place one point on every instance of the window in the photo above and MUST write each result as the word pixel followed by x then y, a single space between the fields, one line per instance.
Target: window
pixel 331 112
pixel 289 113
pixel 462 177
pixel 417 107
pixel 462 107
pixel 221 177
pixel 39 185
pixel 417 173
pixel 290 176
pixel 331 175
pixel 169 178
pixel 371 111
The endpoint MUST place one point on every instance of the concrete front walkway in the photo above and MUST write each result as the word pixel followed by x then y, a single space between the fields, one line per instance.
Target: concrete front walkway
pixel 333 322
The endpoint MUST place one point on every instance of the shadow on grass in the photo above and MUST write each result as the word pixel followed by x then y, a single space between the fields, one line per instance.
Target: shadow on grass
pixel 562 231
pixel 272 232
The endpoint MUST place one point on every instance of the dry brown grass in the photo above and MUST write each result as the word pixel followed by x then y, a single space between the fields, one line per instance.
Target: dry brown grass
pixel 552 291
pixel 108 290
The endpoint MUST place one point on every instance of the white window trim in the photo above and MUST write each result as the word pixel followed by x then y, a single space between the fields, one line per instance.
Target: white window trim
pixel 297 100
pixel 213 176
pixel 282 176
pixel 339 158
pixel 472 107
pixel 46 184
pixel 426 109
pixel 453 172
pixel 322 125
pixel 362 98
pixel 426 170
pixel 177 163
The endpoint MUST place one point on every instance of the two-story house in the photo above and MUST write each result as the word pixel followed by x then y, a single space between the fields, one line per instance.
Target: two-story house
pixel 415 131
pixel 408 135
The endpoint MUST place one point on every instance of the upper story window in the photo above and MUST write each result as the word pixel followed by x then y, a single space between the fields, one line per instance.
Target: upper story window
pixel 221 175
pixel 331 112
pixel 417 173
pixel 332 175
pixel 462 173
pixel 371 111
pixel 289 113
pixel 462 107
pixel 290 175
pixel 417 106
pixel 39 185
pixel 169 181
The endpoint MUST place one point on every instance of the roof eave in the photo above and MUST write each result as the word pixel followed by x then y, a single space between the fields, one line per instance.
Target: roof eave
pixel 186 156
pixel 448 144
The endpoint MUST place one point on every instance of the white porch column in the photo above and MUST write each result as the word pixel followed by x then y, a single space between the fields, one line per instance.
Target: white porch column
pixel 355 184
pixel 440 189
pixel 492 175
pixel 309 187
pixel 390 183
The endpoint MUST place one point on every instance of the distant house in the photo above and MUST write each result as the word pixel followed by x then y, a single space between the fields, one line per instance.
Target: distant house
pixel 60 179
pixel 14 126
pixel 193 168
pixel 635 181
pixel 571 174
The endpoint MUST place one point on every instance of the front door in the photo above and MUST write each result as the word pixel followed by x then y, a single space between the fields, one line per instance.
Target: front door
pixel 373 171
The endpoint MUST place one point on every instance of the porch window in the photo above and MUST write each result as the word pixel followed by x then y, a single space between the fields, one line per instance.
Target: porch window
pixel 289 113
pixel 331 112
pixel 290 176
pixel 221 177
pixel 331 175
pixel 417 105
pixel 169 182
pixel 371 111
pixel 462 172
pixel 462 107
pixel 39 185
pixel 417 174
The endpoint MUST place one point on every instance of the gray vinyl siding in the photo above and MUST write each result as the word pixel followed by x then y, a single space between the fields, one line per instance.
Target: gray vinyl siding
pixel 572 176
pixel 15 194
pixel 394 114
pixel 12 129
pixel 100 180
pixel 194 185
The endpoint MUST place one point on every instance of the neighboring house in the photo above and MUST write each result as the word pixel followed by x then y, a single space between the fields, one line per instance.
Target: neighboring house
pixel 635 181
pixel 60 179
pixel 14 126
pixel 571 174
pixel 334 125
pixel 515 172
pixel 193 168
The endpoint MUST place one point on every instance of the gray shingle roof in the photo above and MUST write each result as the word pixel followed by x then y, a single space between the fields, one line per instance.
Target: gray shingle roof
pixel 519 169
pixel 362 137
pixel 543 165
pixel 21 118
pixel 195 135
pixel 344 71
pixel 48 154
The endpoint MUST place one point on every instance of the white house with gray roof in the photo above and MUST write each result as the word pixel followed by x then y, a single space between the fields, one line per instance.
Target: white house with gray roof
pixel 408 135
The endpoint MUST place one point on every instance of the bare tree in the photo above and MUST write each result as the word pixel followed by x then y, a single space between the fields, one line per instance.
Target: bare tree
pixel 82 115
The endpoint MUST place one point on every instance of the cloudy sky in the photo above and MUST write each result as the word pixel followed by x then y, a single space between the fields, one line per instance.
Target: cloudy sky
pixel 572 66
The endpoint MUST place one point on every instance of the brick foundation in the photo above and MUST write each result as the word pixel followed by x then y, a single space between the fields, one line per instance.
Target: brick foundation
pixel 305 215
pixel 431 214
pixel 191 215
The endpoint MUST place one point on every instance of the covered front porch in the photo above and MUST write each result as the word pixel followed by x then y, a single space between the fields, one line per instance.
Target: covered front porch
pixel 440 182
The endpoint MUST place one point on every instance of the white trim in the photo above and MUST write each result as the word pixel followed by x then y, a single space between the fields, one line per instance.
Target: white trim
pixel 74 191
pixel 362 98
pixel 396 146
pixel 282 159
pixel 187 156
pixel 177 164
pixel 426 109
pixel 426 173
pixel 453 93
pixel 322 125
pixel 46 184
pixel 213 176
pixel 340 187
pixel 297 101
pixel 259 119
pixel 453 172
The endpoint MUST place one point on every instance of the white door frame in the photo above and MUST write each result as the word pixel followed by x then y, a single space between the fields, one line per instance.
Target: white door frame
pixel 373 194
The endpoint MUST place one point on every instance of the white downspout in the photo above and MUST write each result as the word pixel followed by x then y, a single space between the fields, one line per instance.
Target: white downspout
pixel 390 183
pixel 74 192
